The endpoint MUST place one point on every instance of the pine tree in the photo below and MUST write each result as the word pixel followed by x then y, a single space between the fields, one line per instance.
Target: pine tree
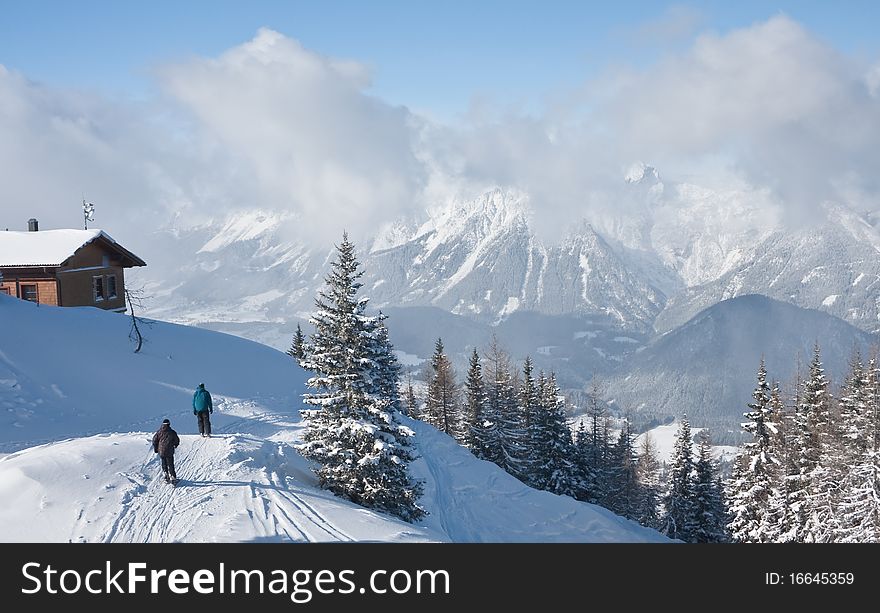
pixel 803 458
pixel 441 406
pixel 410 400
pixel 854 409
pixel 817 457
pixel 710 512
pixel 593 451
pixel 624 491
pixel 503 409
pixel 757 467
pixel 859 506
pixel 648 470
pixel 529 406
pixel 873 414
pixel 553 448
pixel 298 345
pixel 354 435
pixel 581 457
pixel 385 372
pixel 777 518
pixel 481 435
pixel 679 519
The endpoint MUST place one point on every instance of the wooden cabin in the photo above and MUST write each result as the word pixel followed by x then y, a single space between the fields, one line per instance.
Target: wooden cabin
pixel 65 267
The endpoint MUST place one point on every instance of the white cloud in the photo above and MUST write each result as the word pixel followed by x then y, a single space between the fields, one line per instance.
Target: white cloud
pixel 770 103
pixel 312 141
pixel 271 125
pixel 266 125
pixel 60 146
pixel 792 113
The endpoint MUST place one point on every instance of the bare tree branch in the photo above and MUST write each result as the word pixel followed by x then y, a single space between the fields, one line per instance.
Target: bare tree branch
pixel 136 298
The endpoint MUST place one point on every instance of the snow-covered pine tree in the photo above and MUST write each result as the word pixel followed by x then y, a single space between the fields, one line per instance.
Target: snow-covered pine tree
pixel 859 505
pixel 874 397
pixel 648 470
pixel 777 520
pixel 710 512
pixel 481 435
pixel 386 370
pixel 538 435
pixel 553 447
pixel 798 467
pixel 297 346
pixel 502 406
pixel 529 406
pixel 441 406
pixel 581 458
pixel 592 451
pixel 679 520
pixel 605 451
pixel 756 469
pixel 854 401
pixel 818 455
pixel 624 488
pixel 354 435
pixel 410 401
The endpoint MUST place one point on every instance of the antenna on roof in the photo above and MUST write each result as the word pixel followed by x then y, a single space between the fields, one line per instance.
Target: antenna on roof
pixel 88 213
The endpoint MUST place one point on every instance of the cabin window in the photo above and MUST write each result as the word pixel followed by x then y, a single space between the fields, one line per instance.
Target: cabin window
pixel 105 261
pixel 98 287
pixel 111 287
pixel 5 290
pixel 29 292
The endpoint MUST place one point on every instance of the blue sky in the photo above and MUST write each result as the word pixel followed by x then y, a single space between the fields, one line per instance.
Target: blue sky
pixel 434 57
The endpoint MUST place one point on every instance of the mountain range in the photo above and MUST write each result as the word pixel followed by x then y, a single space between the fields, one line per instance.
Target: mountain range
pixel 595 300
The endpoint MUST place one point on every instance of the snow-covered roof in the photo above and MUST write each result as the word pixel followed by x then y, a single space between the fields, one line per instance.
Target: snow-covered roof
pixel 44 248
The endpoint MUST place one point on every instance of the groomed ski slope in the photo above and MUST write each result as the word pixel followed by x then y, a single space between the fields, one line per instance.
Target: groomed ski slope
pixel 79 408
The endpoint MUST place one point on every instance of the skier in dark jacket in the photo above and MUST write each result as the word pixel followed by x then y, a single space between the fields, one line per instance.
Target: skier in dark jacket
pixel 203 407
pixel 165 441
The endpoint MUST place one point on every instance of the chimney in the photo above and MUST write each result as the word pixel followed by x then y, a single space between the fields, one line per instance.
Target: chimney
pixel 33 225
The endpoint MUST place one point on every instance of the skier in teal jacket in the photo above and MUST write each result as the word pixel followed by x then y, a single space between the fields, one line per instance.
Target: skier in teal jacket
pixel 203 407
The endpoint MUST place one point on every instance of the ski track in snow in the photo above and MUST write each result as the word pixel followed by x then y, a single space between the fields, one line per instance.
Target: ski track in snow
pixel 154 511
pixel 240 484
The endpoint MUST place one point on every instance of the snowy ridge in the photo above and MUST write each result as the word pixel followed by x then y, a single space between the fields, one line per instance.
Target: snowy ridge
pixel 642 173
pixel 250 251
pixel 701 233
pixel 242 227
pixel 669 250
pixel 838 257
pixel 480 259
pixel 855 224
pixel 477 258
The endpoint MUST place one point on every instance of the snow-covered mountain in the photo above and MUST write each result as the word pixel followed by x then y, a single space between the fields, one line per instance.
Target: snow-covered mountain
pixel 480 259
pixel 583 305
pixel 71 384
pixel 244 268
pixel 833 267
pixel 476 258
pixel 666 252
pixel 684 233
pixel 706 368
